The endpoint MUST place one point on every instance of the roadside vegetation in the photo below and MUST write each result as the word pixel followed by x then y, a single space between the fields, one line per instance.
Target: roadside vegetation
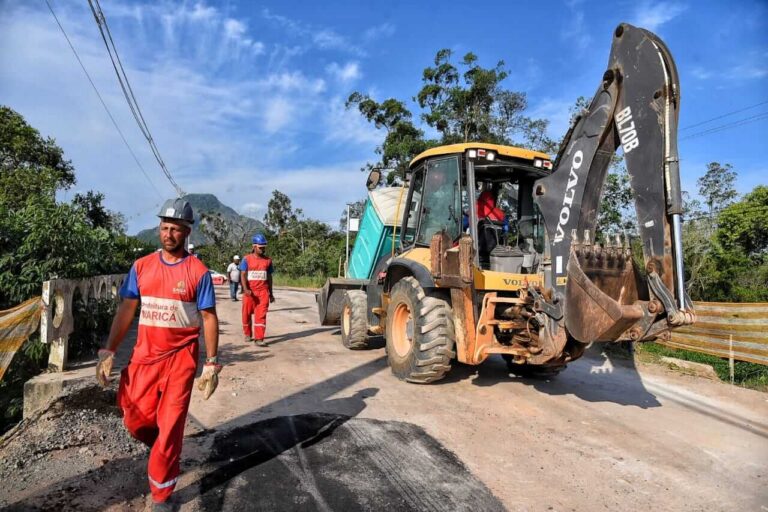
pixel 44 238
pixel 748 375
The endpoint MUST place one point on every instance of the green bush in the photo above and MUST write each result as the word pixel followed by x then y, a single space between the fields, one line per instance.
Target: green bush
pixel 750 375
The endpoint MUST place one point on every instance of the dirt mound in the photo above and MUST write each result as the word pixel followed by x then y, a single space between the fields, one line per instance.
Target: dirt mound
pixel 78 443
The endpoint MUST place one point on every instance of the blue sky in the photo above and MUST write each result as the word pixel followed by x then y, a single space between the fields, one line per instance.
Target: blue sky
pixel 246 97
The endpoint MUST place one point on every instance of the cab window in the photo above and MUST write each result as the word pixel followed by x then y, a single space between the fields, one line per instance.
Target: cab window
pixel 414 207
pixel 440 200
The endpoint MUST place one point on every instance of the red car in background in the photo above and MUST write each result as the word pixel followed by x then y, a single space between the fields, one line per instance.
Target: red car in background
pixel 217 278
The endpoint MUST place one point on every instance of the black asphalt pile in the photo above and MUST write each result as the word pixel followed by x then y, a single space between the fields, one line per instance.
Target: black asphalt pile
pixel 334 462
pixel 66 449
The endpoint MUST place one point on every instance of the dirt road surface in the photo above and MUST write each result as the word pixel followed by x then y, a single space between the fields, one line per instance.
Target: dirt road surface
pixel 305 424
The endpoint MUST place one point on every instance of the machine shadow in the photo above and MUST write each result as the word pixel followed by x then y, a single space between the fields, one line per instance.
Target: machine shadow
pixel 598 376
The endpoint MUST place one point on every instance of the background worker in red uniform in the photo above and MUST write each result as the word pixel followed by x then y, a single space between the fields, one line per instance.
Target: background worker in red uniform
pixel 256 278
pixel 176 296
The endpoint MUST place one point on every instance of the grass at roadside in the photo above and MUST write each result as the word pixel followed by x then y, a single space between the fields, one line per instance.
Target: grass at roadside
pixel 748 375
pixel 298 282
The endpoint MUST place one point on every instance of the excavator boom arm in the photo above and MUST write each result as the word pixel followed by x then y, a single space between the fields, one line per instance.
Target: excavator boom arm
pixel 636 108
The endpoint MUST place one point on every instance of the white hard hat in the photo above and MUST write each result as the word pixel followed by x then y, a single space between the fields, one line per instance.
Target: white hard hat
pixel 235 257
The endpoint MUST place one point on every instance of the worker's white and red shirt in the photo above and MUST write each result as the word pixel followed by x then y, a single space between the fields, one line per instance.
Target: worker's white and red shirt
pixel 257 269
pixel 172 295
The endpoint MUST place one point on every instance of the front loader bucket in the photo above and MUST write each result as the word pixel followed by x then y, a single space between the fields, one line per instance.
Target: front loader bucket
pixel 593 315
pixel 330 298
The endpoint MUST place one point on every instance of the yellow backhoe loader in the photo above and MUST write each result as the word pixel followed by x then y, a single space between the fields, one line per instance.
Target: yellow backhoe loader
pixel 453 279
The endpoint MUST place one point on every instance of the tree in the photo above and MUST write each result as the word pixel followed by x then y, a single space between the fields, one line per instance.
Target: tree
pixel 279 212
pixel 474 106
pixel 402 140
pixel 91 204
pixel 731 263
pixel 717 186
pixel 616 212
pixel 463 106
pixel 742 226
pixel 356 211
pixel 41 238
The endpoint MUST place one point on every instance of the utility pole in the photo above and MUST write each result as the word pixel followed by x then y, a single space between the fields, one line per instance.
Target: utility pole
pixel 346 262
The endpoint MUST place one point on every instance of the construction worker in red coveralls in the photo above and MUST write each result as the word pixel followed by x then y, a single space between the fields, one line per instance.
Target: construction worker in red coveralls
pixel 256 278
pixel 176 294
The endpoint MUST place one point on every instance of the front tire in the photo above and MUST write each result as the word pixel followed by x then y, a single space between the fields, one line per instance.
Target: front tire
pixel 420 333
pixel 354 320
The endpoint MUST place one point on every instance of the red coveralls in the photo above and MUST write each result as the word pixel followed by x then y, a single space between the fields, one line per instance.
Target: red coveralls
pixel 486 207
pixel 258 269
pixel 155 388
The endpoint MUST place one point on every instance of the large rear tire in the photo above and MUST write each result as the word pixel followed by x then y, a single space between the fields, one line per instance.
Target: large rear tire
pixel 354 320
pixel 420 333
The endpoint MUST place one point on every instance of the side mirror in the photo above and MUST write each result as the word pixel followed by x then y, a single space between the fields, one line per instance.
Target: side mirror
pixel 373 179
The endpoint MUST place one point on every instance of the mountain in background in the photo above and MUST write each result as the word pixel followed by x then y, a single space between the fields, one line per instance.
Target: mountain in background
pixel 238 226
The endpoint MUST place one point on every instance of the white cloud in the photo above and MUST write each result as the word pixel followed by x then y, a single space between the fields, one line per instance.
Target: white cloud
pixel 748 71
pixel 219 131
pixel 234 29
pixel 348 126
pixel 347 73
pixel 252 209
pixel 278 114
pixel 203 12
pixel 293 80
pixel 576 31
pixel 701 73
pixel 385 29
pixel 321 37
pixel 652 15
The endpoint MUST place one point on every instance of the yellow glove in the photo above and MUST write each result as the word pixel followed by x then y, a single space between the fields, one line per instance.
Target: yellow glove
pixel 104 366
pixel 209 379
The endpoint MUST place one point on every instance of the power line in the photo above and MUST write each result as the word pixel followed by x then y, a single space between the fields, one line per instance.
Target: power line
pixel 122 78
pixel 746 120
pixel 724 115
pixel 102 101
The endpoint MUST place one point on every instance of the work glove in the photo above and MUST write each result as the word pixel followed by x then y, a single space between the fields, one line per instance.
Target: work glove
pixel 209 379
pixel 104 366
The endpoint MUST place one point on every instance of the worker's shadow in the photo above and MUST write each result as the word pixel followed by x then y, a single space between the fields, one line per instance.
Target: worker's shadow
pixel 243 449
pixel 273 340
pixel 232 354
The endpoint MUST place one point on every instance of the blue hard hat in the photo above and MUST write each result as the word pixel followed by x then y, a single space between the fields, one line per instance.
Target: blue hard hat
pixel 259 239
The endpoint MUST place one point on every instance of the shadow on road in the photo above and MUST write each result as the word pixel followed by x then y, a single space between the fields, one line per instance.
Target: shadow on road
pixel 272 340
pixel 234 354
pixel 289 309
pixel 596 377
pixel 132 486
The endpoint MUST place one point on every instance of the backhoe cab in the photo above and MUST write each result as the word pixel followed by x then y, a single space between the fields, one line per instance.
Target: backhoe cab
pixel 496 250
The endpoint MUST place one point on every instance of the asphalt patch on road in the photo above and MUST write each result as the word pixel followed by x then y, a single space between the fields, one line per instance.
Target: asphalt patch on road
pixel 334 462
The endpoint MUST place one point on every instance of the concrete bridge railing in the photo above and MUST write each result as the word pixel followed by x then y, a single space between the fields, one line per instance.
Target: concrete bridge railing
pixel 57 320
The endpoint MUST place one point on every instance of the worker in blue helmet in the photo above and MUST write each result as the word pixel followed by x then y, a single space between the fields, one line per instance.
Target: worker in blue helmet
pixel 256 277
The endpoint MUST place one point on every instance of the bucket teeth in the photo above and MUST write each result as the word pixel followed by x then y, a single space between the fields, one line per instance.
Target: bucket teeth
pixel 575 242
